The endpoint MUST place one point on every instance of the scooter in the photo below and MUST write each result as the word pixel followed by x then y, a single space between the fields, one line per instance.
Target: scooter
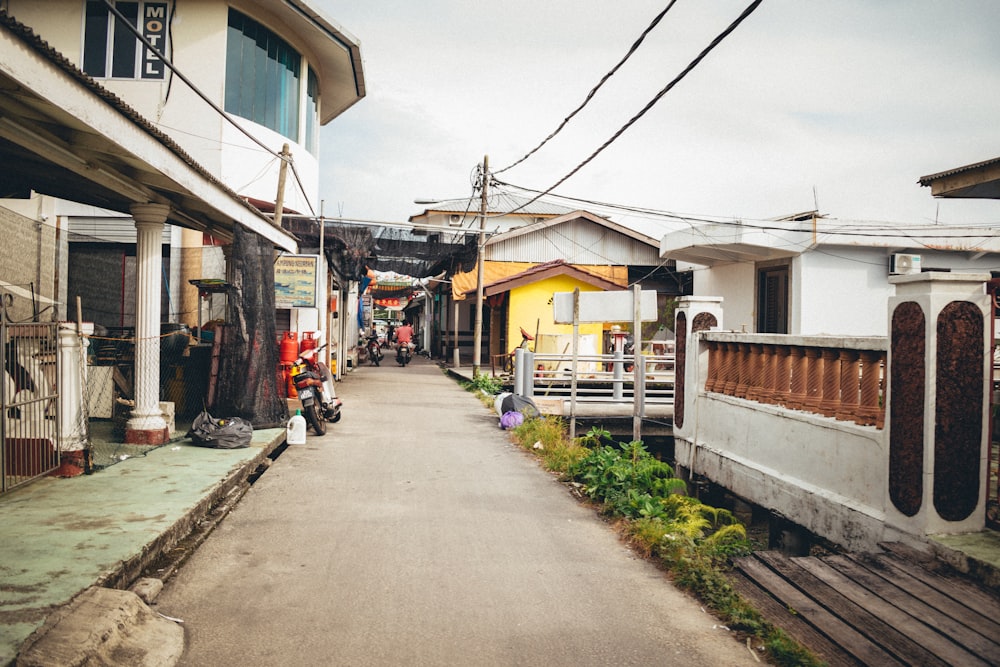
pixel 403 354
pixel 314 383
pixel 374 349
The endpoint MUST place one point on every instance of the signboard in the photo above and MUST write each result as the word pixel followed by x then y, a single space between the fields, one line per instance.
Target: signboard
pixel 295 281
pixel 604 306
pixel 154 29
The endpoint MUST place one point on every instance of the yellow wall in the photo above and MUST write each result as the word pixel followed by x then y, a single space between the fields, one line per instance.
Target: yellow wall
pixel 531 306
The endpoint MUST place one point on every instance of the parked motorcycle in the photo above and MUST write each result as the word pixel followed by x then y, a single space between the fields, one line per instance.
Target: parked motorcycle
pixel 314 383
pixel 374 348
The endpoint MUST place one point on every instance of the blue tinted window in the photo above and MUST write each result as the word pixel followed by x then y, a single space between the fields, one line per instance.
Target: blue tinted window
pixel 262 76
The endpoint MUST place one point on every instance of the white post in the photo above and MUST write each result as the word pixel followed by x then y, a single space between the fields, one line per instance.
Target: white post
pixel 457 357
pixel 146 425
pixel 72 387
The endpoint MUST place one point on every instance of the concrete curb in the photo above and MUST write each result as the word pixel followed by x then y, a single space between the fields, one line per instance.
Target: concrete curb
pixel 132 569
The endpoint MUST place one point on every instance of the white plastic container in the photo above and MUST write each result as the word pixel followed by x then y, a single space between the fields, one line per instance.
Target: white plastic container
pixel 295 432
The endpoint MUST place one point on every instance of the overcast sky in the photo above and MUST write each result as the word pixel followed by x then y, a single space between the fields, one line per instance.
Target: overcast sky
pixel 842 102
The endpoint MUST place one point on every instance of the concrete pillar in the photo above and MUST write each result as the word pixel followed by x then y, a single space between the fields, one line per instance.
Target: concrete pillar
pixel 72 387
pixel 190 269
pixel 938 400
pixel 693 315
pixel 146 425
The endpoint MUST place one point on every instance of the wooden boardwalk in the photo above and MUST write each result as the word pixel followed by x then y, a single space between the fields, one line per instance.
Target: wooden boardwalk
pixel 891 608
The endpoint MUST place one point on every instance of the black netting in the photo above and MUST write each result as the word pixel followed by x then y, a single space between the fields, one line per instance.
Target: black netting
pixel 353 249
pixel 248 380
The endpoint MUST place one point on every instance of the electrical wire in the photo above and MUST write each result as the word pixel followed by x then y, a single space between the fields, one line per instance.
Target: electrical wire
pixel 219 110
pixel 853 228
pixel 656 98
pixel 593 91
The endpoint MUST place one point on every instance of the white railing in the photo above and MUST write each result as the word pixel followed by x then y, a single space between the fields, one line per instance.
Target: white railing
pixel 599 378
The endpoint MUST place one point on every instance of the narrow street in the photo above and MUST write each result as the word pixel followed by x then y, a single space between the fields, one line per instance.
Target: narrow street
pixel 414 533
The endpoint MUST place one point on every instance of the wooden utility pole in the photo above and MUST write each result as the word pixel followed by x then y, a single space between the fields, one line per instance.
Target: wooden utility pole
pixel 478 338
pixel 279 202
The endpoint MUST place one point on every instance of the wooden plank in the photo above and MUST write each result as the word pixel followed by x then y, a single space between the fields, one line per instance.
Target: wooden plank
pixel 816 615
pixel 943 602
pixel 947 580
pixel 800 571
pixel 933 648
pixel 961 635
pixel 796 628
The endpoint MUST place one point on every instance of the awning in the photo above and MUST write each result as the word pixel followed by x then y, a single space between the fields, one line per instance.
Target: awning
pixel 64 135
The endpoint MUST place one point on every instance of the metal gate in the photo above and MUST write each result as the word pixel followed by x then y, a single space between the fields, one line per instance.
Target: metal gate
pixel 29 399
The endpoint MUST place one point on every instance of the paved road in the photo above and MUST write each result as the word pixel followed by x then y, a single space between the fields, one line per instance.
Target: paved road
pixel 414 533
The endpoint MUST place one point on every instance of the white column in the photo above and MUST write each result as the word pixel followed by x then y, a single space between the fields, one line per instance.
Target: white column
pixel 72 386
pixel 146 425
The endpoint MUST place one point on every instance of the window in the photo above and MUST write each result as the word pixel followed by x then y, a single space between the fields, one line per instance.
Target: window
pixel 262 76
pixel 312 113
pixel 772 300
pixel 111 49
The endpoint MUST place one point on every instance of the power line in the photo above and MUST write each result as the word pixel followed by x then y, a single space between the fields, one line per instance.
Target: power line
pixel 215 107
pixel 694 63
pixel 593 91
pixel 847 228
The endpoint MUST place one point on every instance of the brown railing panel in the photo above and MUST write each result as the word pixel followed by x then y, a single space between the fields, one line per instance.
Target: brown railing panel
pixel 819 376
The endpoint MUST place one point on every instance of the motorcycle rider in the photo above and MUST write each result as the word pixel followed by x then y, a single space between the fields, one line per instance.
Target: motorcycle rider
pixel 404 334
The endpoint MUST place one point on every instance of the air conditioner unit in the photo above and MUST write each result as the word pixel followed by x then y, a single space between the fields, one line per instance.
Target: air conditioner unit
pixel 900 264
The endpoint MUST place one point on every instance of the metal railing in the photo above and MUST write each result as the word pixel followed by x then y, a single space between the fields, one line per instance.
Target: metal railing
pixel 29 428
pixel 599 378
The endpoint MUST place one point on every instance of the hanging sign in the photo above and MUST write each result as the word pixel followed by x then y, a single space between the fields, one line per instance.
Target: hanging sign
pixel 154 29
pixel 295 281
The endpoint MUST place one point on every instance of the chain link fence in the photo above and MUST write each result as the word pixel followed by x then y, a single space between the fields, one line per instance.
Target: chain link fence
pixel 184 386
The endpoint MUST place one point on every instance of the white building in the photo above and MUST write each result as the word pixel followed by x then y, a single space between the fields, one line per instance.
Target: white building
pixel 811 275
pixel 238 81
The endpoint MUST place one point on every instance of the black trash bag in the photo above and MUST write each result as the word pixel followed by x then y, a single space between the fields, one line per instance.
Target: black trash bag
pixel 232 433
pixel 507 402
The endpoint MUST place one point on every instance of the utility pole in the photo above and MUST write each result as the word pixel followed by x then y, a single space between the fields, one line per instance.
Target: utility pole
pixel 279 202
pixel 478 338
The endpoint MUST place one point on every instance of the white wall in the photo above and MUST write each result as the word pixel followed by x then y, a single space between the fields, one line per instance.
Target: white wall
pixel 825 475
pixel 842 291
pixel 735 284
pixel 199 43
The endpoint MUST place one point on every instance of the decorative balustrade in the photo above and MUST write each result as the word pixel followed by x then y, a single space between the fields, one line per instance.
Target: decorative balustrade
pixel 842 378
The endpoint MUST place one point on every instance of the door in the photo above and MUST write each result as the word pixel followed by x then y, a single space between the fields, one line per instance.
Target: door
pixel 772 300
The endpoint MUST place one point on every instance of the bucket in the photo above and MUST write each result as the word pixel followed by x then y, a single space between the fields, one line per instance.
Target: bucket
pixel 289 348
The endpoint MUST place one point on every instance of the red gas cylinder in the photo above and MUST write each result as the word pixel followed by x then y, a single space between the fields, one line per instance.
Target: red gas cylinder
pixel 308 342
pixel 289 349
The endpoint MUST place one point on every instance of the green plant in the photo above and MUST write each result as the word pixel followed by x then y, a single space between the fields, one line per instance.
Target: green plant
pixel 627 479
pixel 487 383
pixel 546 436
pixel 595 437
pixel 693 540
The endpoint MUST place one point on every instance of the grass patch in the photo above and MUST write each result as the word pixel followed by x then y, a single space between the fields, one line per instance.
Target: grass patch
pixel 691 540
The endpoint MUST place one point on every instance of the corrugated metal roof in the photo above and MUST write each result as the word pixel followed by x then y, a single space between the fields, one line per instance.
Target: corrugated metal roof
pixel 499 203
pixel 926 180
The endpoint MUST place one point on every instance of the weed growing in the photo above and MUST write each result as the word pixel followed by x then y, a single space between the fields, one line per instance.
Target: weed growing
pixel 547 438
pixel 692 540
